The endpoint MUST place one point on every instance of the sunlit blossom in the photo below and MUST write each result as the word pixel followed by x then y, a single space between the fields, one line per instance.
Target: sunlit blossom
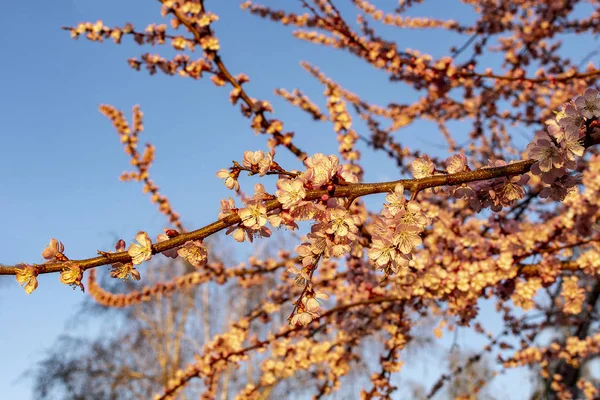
pixel 406 237
pixel 54 250
pixel 589 104
pixel 456 163
pixel 382 251
pixel 72 274
pixel 422 167
pixel 141 251
pixel 171 253
pixel 571 143
pixel 547 154
pixel 194 252
pixel 229 178
pixel 313 302
pixel 26 275
pixel 290 192
pixel 125 271
pixel 254 216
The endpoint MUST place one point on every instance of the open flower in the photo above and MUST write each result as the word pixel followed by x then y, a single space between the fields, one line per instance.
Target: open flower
pixel 545 152
pixel 456 163
pixel 571 143
pixel 589 104
pixel 27 278
pixel 140 252
pixel 258 161
pixel 72 274
pixel 382 251
pixel 252 158
pixel 341 223
pixel 290 192
pixel 422 167
pixel 396 199
pixel 254 216
pixel 125 271
pixel 406 237
pixel 194 252
pixel 313 302
pixel 320 169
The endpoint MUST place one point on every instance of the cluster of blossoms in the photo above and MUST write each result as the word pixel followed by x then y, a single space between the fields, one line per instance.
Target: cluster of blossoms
pixel 457 263
pixel 335 227
pixel 396 233
pixel 71 273
pixel 557 148
pixel 255 162
pixel 555 151
pixel 323 172
pixel 493 193
pixel 193 251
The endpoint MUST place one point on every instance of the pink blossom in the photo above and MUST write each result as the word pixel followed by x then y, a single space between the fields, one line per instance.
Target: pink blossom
pixel 141 251
pixel 347 176
pixel 194 252
pixel 306 254
pixel 303 318
pixel 412 215
pixel 320 242
pixel 290 192
pixel 550 176
pixel 252 158
pixel 259 193
pixel 342 223
pixel 284 218
pixel 239 234
pixel 229 178
pixel 321 169
pixel 569 116
pixel 422 167
pixel 125 271
pixel 456 163
pixel 406 237
pixel 545 152
pixel 254 216
pixel 396 200
pixel 72 274
pixel 227 208
pixel 512 189
pixel 559 189
pixel 571 143
pixel 26 276
pixel 589 104
pixel 301 275
pixel 381 252
pixel 383 227
pixel 264 165
pixel 171 253
pixel 53 250
pixel 554 129
pixel 313 302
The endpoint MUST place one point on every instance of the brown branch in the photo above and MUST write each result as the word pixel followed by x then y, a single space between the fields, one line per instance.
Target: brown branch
pixel 265 123
pixel 349 190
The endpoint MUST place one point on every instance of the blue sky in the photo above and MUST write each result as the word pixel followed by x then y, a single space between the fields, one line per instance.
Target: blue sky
pixel 60 158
